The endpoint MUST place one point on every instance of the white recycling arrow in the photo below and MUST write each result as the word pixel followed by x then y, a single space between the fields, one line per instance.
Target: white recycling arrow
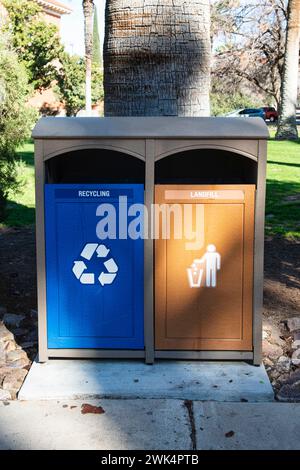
pixel 111 266
pixel 78 268
pixel 106 278
pixel 102 251
pixel 87 278
pixel 89 250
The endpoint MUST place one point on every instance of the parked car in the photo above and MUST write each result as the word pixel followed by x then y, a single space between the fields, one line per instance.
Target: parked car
pixel 234 113
pixel 270 113
pixel 252 112
pixel 247 112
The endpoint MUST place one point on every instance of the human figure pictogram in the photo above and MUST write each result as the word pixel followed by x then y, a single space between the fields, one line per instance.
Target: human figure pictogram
pixel 213 264
pixel 212 260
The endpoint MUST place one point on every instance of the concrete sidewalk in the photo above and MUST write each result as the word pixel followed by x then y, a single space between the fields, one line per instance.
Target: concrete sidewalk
pixel 149 424
pixel 186 380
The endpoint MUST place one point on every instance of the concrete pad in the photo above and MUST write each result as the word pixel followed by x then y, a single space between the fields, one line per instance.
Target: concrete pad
pixel 247 426
pixel 216 381
pixel 125 425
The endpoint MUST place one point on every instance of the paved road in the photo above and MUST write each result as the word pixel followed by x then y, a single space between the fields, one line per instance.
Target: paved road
pixel 149 424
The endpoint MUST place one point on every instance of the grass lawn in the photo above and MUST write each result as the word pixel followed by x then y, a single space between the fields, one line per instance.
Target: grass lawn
pixel 21 206
pixel 283 190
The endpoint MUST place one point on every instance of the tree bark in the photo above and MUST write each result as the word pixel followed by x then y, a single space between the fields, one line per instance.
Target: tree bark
pixel 287 127
pixel 157 58
pixel 88 7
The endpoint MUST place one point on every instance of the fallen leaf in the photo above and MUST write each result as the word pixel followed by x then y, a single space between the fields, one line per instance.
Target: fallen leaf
pixel 87 408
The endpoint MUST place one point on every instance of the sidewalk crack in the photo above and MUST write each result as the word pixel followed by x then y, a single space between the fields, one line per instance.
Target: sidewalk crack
pixel 190 408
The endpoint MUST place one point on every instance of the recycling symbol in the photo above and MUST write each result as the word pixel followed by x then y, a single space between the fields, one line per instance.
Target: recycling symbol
pixel 106 277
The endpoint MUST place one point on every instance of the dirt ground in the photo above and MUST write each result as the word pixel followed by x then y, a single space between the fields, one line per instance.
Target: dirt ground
pixel 18 285
pixel 18 270
pixel 282 278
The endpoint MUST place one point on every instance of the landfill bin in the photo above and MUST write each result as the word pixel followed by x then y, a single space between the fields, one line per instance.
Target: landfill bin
pixel 146 298
pixel 204 287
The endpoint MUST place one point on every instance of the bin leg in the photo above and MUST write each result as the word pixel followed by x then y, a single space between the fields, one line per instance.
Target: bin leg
pixel 42 357
pixel 148 258
pixel 148 304
pixel 257 359
pixel 257 347
pixel 149 359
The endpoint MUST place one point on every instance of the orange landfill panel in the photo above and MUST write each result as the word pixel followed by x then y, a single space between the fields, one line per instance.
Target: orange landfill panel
pixel 204 267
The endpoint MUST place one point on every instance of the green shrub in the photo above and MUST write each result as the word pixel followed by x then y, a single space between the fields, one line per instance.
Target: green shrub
pixel 222 103
pixel 71 83
pixel 16 120
pixel 36 42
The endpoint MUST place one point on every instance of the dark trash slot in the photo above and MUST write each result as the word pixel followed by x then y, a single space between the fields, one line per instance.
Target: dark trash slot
pixel 205 166
pixel 93 166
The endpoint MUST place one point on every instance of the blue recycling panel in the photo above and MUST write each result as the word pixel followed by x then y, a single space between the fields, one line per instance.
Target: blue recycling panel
pixel 95 285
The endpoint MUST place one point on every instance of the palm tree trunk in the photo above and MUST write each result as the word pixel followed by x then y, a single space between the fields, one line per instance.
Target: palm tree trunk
pixel 157 58
pixel 287 128
pixel 88 7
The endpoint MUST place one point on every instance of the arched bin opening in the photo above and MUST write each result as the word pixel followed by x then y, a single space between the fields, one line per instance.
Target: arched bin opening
pixel 93 166
pixel 205 166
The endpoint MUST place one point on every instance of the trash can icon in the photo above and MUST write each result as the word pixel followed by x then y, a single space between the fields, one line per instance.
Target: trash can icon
pixel 195 274
pixel 212 261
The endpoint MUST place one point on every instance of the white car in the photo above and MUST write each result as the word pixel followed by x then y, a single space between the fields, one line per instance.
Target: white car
pixel 247 112
pixel 235 113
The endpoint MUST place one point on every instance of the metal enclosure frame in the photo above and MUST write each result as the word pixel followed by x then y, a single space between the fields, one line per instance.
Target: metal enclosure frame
pixel 151 139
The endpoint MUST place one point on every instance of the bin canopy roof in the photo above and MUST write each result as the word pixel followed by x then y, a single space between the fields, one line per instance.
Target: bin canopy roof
pixel 150 127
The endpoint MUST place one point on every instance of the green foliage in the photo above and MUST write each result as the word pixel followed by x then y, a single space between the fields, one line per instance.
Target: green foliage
pixel 96 57
pixel 223 103
pixel 16 119
pixel 71 83
pixel 97 84
pixel 21 205
pixel 36 42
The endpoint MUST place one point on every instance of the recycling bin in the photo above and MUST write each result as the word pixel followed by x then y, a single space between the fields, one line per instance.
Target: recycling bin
pixel 103 293
pixel 94 285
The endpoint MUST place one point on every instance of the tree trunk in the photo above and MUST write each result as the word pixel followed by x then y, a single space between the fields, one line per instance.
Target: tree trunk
pixel 287 128
pixel 88 7
pixel 157 58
